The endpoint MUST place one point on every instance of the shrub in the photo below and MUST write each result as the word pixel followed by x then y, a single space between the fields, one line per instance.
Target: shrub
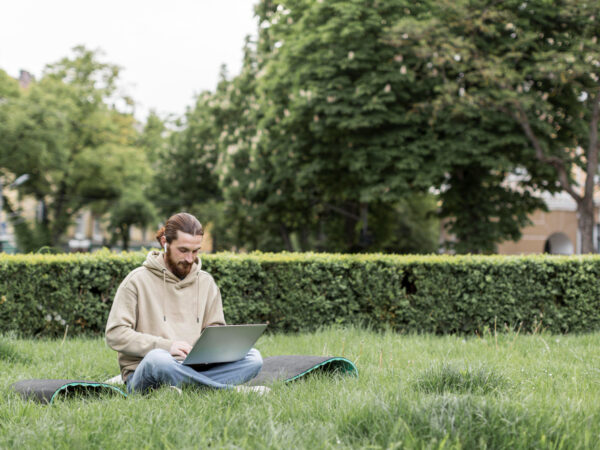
pixel 42 294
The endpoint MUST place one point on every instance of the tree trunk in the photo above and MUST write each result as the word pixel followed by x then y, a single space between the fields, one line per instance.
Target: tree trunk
pixel 286 238
pixel 125 237
pixel 351 220
pixel 60 221
pixel 585 207
pixel 322 238
pixel 214 240
pixel 585 202
pixel 585 223
pixel 304 245
pixel 366 239
pixel 44 225
pixel 364 217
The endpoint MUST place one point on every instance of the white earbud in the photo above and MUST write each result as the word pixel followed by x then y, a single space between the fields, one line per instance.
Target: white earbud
pixel 165 247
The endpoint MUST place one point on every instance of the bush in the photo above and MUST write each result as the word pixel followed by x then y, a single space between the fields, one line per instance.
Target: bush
pixel 42 294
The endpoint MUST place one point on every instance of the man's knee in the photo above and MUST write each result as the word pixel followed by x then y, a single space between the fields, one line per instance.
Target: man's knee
pixel 154 369
pixel 158 359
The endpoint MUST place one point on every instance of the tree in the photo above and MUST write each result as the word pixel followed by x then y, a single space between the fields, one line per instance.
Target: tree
pixel 207 170
pixel 133 205
pixel 154 138
pixel 286 180
pixel 132 208
pixel 186 175
pixel 412 225
pixel 9 87
pixel 245 173
pixel 74 146
pixel 476 161
pixel 9 93
pixel 534 63
pixel 337 135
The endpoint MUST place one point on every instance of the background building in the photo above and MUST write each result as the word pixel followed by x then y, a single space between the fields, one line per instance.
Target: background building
pixel 553 232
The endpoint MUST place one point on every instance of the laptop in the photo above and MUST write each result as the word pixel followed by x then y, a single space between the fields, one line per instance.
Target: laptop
pixel 224 343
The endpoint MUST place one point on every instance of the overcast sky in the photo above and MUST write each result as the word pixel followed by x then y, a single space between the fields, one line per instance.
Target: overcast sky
pixel 168 51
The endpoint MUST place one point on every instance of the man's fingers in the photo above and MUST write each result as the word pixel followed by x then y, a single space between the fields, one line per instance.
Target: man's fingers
pixel 184 347
pixel 181 348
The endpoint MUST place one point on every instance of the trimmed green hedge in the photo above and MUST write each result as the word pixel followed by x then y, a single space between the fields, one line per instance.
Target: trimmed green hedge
pixel 41 294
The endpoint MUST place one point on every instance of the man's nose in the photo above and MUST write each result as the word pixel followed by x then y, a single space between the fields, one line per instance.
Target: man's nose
pixel 189 258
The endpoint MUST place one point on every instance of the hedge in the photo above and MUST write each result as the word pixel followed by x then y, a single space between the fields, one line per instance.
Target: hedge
pixel 42 294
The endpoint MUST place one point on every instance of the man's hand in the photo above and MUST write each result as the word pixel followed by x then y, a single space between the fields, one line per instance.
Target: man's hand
pixel 180 348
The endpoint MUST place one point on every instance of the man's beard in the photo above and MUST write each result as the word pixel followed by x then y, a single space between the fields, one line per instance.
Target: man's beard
pixel 179 269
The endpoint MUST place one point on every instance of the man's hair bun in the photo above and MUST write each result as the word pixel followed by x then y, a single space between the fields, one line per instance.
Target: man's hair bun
pixel 159 234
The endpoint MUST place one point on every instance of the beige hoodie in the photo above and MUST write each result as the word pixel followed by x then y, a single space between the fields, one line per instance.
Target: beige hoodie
pixel 153 308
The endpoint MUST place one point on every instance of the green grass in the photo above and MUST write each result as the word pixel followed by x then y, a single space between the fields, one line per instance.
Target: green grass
pixel 507 391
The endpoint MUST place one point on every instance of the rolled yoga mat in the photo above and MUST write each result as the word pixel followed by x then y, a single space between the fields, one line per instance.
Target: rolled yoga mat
pixel 288 368
pixel 46 391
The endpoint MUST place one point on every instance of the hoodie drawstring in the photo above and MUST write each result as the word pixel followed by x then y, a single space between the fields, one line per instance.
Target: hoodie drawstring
pixel 164 272
pixel 197 298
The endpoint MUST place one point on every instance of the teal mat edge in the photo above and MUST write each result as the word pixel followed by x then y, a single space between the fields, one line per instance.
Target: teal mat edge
pixel 347 364
pixel 65 386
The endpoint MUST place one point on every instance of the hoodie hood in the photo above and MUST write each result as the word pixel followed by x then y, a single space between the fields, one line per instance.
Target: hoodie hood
pixel 155 263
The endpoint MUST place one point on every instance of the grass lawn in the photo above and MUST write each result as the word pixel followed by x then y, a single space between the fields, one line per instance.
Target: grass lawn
pixel 506 391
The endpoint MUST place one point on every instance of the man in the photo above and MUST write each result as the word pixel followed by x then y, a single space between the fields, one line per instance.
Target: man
pixel 161 308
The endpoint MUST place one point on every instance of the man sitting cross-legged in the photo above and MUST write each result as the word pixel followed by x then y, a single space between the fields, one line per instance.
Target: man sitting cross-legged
pixel 162 307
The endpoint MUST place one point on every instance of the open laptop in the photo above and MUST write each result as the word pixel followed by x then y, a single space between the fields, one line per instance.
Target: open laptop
pixel 224 343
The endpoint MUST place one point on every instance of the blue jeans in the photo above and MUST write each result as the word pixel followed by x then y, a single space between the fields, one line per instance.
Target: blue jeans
pixel 160 368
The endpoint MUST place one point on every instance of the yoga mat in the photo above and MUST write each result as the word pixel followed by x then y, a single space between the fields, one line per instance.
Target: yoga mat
pixel 292 367
pixel 46 391
pixel 284 368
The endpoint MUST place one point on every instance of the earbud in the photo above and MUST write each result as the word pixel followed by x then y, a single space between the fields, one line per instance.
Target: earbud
pixel 165 247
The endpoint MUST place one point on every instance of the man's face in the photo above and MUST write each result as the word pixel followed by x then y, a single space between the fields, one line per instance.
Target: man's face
pixel 181 253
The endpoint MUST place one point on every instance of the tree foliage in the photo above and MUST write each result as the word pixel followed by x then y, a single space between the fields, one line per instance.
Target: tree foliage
pixel 78 149
pixel 186 170
pixel 337 120
pixel 352 126
pixel 313 142
pixel 533 63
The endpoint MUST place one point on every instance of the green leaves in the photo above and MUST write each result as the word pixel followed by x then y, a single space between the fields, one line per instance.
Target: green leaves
pixel 520 61
pixel 336 108
pixel 303 292
pixel 78 150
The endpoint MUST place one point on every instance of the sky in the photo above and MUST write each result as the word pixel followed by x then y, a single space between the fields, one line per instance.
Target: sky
pixel 168 51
